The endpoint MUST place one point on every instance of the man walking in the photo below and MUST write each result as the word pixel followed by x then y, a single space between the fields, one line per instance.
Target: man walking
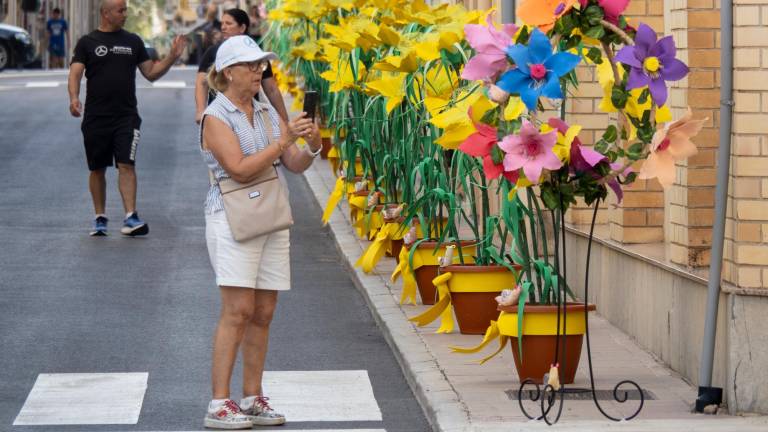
pixel 58 34
pixel 109 57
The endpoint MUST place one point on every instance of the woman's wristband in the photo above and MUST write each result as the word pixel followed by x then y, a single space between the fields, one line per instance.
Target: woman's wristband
pixel 311 152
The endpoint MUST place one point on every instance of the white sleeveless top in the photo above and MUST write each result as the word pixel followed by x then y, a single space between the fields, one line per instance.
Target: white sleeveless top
pixel 252 136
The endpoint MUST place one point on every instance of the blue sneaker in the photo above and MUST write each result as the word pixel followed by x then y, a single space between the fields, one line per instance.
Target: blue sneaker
pixel 99 226
pixel 134 226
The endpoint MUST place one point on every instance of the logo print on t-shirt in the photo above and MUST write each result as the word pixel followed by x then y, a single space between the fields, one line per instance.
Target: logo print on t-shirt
pixel 122 50
pixel 101 51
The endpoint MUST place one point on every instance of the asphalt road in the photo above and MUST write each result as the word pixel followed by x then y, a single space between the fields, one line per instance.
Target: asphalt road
pixel 71 303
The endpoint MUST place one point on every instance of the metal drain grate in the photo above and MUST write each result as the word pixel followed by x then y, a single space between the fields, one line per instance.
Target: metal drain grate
pixel 586 394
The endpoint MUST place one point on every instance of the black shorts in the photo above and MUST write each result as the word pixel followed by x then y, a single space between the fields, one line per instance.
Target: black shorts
pixel 111 138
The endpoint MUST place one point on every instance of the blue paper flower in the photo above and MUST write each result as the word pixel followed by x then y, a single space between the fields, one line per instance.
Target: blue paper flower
pixel 538 71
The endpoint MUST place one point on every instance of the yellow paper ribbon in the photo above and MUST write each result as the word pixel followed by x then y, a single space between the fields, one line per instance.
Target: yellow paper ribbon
pixel 333 158
pixel 333 200
pixel 357 205
pixel 442 308
pixel 407 271
pixel 365 225
pixel 490 334
pixel 382 243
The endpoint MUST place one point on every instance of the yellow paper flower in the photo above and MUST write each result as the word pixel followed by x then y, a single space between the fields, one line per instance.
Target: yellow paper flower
pixel 309 50
pixel 563 146
pixel 391 87
pixel 456 122
pixel 342 37
pixel 388 35
pixel 514 109
pixel 398 63
pixel 435 86
pixel 341 75
pixel 303 9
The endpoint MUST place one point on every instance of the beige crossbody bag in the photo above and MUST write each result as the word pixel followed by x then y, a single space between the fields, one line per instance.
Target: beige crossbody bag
pixel 259 207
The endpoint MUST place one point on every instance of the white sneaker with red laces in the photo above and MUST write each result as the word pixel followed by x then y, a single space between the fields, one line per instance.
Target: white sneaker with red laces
pixel 257 409
pixel 226 415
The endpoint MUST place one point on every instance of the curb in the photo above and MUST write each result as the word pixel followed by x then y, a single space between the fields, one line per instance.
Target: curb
pixel 442 406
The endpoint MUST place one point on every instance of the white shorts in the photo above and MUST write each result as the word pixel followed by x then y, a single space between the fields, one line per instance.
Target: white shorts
pixel 262 263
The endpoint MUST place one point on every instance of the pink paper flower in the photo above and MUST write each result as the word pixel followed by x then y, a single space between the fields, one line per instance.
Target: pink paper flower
pixel 669 145
pixel 480 144
pixel 531 151
pixel 612 8
pixel 490 46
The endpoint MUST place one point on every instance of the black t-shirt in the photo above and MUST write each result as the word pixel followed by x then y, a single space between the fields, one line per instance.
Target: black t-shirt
pixel 110 61
pixel 209 58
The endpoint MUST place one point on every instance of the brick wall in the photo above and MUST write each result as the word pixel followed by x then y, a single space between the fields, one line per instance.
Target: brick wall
pixel 640 217
pixel 683 215
pixel 690 202
pixel 746 255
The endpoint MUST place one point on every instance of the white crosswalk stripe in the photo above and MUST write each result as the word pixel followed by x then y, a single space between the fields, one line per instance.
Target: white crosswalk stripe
pixel 42 84
pixel 322 395
pixel 84 398
pixel 141 85
pixel 117 398
pixel 169 84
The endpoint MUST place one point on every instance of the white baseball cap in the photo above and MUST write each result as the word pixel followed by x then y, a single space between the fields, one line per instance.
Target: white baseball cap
pixel 240 49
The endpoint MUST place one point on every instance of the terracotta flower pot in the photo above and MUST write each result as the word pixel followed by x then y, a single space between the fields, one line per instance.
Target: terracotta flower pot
pixel 473 290
pixel 539 339
pixel 327 145
pixel 427 272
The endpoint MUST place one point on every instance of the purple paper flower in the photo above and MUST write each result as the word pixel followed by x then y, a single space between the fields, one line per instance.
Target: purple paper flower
pixel 652 62
pixel 584 159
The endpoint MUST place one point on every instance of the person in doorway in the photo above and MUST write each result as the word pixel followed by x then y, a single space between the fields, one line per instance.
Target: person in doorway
pixel 58 39
pixel 109 57
pixel 234 22
pixel 236 143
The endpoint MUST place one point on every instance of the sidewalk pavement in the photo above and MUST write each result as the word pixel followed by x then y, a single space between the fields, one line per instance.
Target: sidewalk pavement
pixel 457 394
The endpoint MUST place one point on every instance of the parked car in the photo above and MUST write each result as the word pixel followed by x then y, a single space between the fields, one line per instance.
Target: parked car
pixel 16 49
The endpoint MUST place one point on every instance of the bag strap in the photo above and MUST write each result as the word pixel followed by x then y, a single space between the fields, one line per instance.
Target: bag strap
pixel 268 125
pixel 269 133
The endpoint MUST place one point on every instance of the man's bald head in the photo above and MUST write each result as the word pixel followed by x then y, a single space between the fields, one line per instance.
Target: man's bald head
pixel 105 5
pixel 113 14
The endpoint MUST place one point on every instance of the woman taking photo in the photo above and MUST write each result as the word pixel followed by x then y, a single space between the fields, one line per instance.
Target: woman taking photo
pixel 236 145
pixel 234 22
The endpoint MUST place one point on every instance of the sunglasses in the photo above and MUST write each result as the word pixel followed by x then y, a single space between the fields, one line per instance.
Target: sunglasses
pixel 255 66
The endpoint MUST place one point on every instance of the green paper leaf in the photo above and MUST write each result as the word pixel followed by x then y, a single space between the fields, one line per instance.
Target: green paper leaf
pixel 497 154
pixel 594 14
pixel 525 288
pixel 595 55
pixel 611 133
pixel 619 97
pixel 596 32
pixel 601 146
pixel 635 150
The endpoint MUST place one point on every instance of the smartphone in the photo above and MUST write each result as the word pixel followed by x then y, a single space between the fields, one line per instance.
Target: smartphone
pixel 310 103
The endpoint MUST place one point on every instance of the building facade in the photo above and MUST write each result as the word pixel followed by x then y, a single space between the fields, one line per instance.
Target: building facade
pixel 650 264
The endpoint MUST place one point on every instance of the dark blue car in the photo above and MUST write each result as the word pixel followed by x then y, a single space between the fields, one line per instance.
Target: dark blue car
pixel 16 49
